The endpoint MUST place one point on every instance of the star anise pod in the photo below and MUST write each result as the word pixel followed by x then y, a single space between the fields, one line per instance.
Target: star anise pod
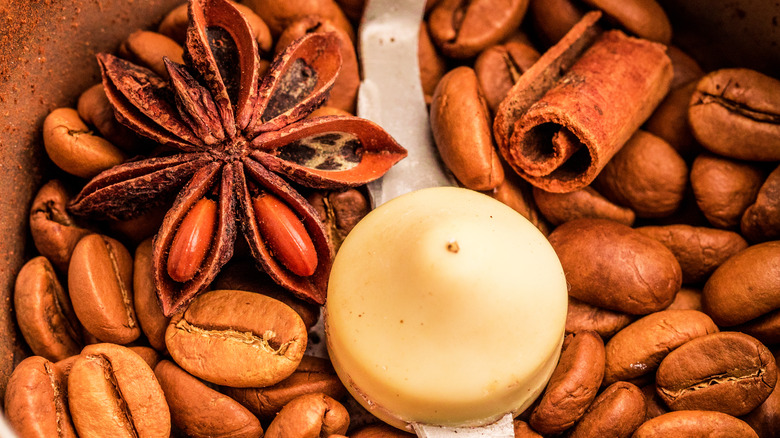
pixel 238 136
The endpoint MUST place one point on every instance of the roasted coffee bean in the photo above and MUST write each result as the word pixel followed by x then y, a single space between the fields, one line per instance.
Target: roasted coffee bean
pixel 36 403
pixel 214 340
pixel 686 69
pixel 432 65
pixel 199 411
pixel 764 328
pixel 573 385
pixel 149 48
pixel 143 226
pixel 686 298
pixel 54 231
pixel 670 121
pixel 312 375
pixel 73 148
pixel 327 111
pixel 639 348
pixel 735 113
pixel 558 208
pixel 724 188
pixel 499 67
pixel 745 286
pixel 761 221
pixel 583 316
pixel 113 392
pixel 654 405
pixel 339 212
pixel 766 417
pixel 147 308
pixel 461 29
pixel 278 15
pixel 93 107
pixel 646 175
pixel 692 424
pixel 148 354
pixel 523 430
pixel 100 284
pixel 700 250
pixel 44 313
pixel 463 132
pixel 643 18
pixel 310 416
pixel 616 412
pixel 379 430
pixel 174 25
pixel 243 275
pixel 553 18
pixel 728 372
pixel 612 266
pixel 517 194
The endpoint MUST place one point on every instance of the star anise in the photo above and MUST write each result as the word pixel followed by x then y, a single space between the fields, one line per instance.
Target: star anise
pixel 238 137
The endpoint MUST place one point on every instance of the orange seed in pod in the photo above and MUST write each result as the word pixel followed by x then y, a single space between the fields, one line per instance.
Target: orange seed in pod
pixel 192 240
pixel 285 234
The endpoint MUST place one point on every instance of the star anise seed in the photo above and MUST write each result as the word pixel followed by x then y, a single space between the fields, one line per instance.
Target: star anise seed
pixel 238 137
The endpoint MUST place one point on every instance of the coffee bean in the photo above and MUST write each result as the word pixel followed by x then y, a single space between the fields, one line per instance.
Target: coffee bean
pixel 639 348
pixel 54 231
pixel 214 340
pixel 700 250
pixel 516 193
pixel 583 316
pixel 339 212
pixel 199 411
pixel 499 67
pixel 728 372
pixel 686 69
pixel 612 266
pixel 278 15
pixel 724 188
pixel 686 298
pixel 461 29
pixel 244 275
pixel 670 119
pixel 584 203
pixel 643 18
pixel 36 401
pixel 573 385
pixel 73 148
pixel 147 308
pixel 744 287
pixel 695 424
pixel 310 415
pixel 100 280
pixel 460 121
pixel 113 392
pixel 761 221
pixel 312 375
pixel 766 417
pixel 646 175
pixel 44 313
pixel 148 49
pixel 616 412
pixel 735 113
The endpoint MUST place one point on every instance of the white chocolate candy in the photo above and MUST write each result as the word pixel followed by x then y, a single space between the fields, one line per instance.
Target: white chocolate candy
pixel 445 307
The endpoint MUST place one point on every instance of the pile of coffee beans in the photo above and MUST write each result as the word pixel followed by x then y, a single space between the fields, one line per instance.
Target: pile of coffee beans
pixel 671 254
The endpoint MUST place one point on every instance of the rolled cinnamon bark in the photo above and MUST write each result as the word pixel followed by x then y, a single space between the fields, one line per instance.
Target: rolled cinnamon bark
pixel 573 110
